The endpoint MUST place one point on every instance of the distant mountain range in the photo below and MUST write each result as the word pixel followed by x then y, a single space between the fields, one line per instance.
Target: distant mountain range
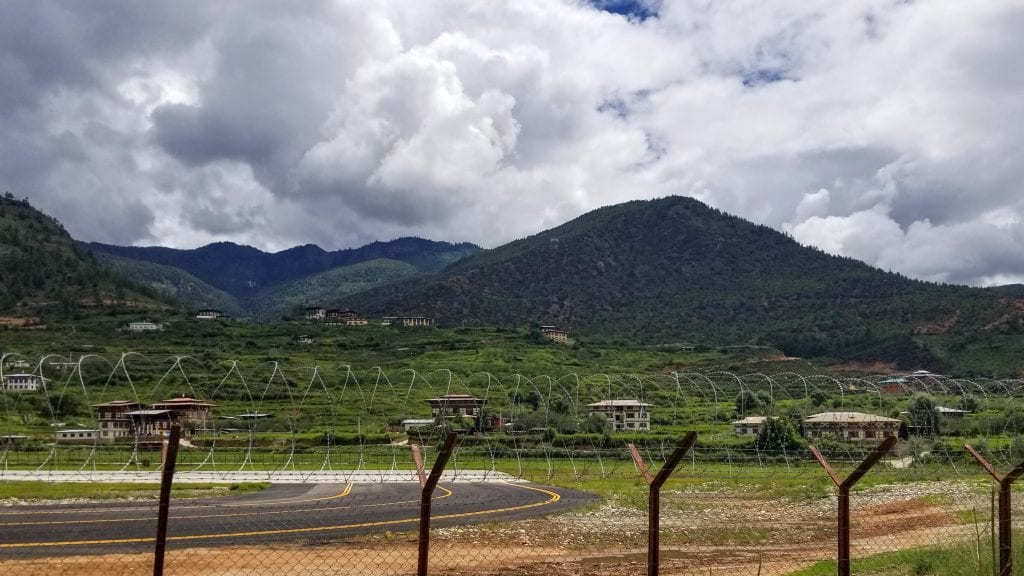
pixel 248 282
pixel 660 272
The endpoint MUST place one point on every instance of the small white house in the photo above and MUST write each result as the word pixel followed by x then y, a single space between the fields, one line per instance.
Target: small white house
pixel 411 423
pixel 22 382
pixel 80 436
pixel 554 334
pixel 145 326
pixel 749 426
pixel 851 426
pixel 623 414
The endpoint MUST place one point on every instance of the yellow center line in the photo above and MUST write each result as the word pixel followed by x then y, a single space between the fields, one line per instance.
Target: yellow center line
pixel 552 498
pixel 232 515
pixel 342 494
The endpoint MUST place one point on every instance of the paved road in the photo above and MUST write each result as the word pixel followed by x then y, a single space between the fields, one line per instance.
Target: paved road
pixel 284 512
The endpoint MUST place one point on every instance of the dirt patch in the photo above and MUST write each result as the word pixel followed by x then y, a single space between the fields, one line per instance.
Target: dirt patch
pixel 21 322
pixel 729 531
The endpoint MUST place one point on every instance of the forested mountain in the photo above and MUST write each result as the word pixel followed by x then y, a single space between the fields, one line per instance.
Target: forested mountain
pixel 243 271
pixel 187 290
pixel 324 289
pixel 43 270
pixel 675 270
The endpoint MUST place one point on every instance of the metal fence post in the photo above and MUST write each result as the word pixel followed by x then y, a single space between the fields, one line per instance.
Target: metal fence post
pixel 170 459
pixel 1005 482
pixel 428 483
pixel 654 495
pixel 844 495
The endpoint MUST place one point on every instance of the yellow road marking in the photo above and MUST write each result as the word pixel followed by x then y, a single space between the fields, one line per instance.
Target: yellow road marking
pixel 342 494
pixel 233 515
pixel 552 498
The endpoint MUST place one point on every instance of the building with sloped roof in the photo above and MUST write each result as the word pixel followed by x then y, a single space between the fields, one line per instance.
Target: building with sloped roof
pixel 851 426
pixel 625 415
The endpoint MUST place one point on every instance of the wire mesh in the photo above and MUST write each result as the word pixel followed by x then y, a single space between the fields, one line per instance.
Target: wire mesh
pixel 310 470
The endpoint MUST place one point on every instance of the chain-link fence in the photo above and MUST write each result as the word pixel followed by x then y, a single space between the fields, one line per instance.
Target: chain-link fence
pixel 332 475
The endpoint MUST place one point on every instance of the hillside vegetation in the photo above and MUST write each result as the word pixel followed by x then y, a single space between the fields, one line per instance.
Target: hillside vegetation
pixel 187 290
pixel 674 270
pixel 326 288
pixel 243 271
pixel 45 272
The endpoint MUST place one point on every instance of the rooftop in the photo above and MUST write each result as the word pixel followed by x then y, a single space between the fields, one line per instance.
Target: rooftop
pixel 612 403
pixel 752 420
pixel 847 417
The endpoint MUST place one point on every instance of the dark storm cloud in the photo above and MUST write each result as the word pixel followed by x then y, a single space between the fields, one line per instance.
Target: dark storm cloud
pixel 879 130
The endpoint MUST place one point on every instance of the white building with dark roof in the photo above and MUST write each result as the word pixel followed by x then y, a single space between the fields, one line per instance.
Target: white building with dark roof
pixel 625 415
pixel 749 426
pixel 851 426
pixel 22 382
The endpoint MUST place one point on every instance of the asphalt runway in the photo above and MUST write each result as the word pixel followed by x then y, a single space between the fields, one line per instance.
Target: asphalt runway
pixel 303 513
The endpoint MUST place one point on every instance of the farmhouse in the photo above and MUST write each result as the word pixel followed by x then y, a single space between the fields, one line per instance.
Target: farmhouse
pixel 854 426
pixel 415 321
pixel 145 326
pixel 130 419
pixel 456 405
pixel 554 334
pixel 210 314
pixel 749 426
pixel 412 423
pixel 113 420
pixel 22 382
pixel 304 339
pixel 186 409
pixel 623 414
pixel 151 424
pixel 316 313
pixel 18 365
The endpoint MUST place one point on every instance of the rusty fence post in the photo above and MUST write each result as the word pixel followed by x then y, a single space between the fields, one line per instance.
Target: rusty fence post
pixel 654 495
pixel 170 459
pixel 428 483
pixel 1005 482
pixel 844 495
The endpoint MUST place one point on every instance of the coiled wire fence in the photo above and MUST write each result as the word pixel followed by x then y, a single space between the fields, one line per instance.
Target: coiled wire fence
pixel 313 470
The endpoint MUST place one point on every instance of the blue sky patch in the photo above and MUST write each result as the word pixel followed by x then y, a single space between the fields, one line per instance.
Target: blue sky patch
pixel 633 9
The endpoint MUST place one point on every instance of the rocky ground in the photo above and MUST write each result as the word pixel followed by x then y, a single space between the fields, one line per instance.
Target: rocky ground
pixel 716 531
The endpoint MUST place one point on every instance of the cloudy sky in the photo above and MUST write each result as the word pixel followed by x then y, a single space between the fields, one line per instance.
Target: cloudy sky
pixel 889 131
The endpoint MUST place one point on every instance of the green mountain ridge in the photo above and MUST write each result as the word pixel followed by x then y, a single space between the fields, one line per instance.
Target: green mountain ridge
pixel 325 288
pixel 661 272
pixel 675 270
pixel 189 291
pixel 243 271
pixel 45 271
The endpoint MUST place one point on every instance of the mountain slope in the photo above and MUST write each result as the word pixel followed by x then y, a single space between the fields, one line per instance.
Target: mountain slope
pixel 326 288
pixel 184 288
pixel 675 270
pixel 43 268
pixel 243 271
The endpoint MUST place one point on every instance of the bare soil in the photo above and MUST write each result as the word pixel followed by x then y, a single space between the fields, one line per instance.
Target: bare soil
pixel 726 532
